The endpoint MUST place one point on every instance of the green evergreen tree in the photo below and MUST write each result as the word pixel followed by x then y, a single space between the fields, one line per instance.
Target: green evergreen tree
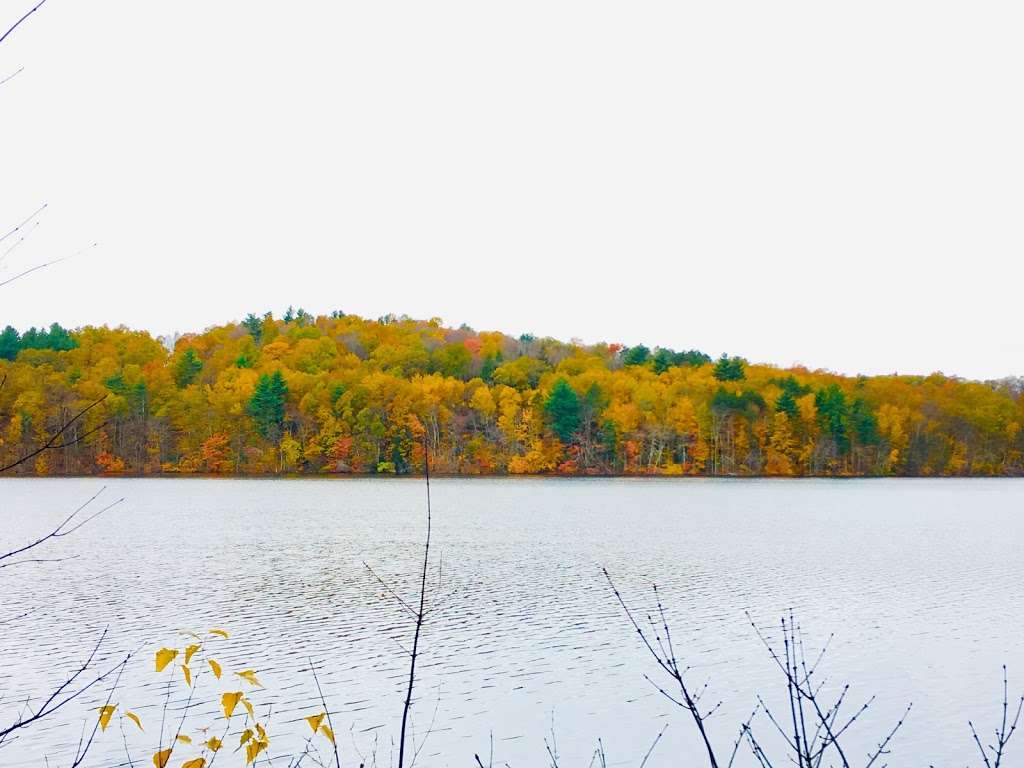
pixel 730 369
pixel 663 360
pixel 693 357
pixel 266 406
pixel 33 339
pixel 637 355
pixel 747 400
pixel 563 410
pixel 116 384
pixel 490 365
pixel 792 386
pixel 833 416
pixel 786 404
pixel 10 343
pixel 255 327
pixel 187 368
pixel 863 422
pixel 60 339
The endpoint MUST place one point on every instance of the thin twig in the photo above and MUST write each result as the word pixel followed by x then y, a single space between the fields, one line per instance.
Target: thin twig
pixel 52 444
pixel 419 616
pixel 19 21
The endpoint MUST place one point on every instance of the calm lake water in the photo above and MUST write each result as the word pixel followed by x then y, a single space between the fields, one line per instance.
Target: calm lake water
pixel 919 580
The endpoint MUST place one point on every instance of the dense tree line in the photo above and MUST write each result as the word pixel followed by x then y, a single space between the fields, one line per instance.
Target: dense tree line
pixel 340 393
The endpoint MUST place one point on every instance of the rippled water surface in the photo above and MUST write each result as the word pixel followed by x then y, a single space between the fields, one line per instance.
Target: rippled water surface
pixel 920 581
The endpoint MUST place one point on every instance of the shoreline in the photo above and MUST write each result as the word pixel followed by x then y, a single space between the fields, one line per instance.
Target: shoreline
pixel 439 476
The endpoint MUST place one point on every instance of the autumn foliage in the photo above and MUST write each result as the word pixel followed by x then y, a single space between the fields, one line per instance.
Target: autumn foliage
pixel 181 737
pixel 343 394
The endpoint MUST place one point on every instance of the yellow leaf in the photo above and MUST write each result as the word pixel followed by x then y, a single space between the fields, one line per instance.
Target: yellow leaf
pixel 199 762
pixel 249 676
pixel 261 732
pixel 314 722
pixel 106 712
pixel 252 749
pixel 135 719
pixel 220 632
pixel 188 675
pixel 189 652
pixel 164 657
pixel 213 743
pixel 183 738
pixel 246 735
pixel 229 701
pixel 327 732
pixel 248 707
pixel 160 758
pixel 215 667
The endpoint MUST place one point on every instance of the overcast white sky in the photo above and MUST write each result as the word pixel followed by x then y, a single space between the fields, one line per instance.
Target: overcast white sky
pixel 836 184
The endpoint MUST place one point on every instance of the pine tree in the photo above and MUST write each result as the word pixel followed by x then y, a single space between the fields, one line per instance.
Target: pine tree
pixel 266 406
pixel 786 404
pixel 833 416
pixel 490 365
pixel 255 327
pixel 637 355
pixel 863 422
pixel 730 369
pixel 59 339
pixel 562 409
pixel 187 368
pixel 663 360
pixel 10 343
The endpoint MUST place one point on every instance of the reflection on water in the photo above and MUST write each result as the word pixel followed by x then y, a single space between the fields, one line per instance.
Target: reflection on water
pixel 919 580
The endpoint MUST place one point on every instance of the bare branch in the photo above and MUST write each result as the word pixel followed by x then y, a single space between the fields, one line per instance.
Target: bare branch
pixel 52 444
pixel 63 529
pixel 60 697
pixel 419 616
pixel 28 218
pixel 19 21
pixel 37 267
pixel 13 75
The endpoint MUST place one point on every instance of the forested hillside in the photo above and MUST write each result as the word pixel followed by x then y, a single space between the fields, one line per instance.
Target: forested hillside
pixel 343 394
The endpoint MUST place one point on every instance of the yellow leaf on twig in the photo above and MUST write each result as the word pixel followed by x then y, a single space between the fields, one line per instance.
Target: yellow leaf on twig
pixel 246 735
pixel 199 762
pixel 188 675
pixel 248 707
pixel 106 712
pixel 215 667
pixel 314 721
pixel 249 675
pixel 190 652
pixel 135 719
pixel 252 749
pixel 164 657
pixel 160 758
pixel 213 743
pixel 229 701
pixel 327 732
pixel 183 738
pixel 220 632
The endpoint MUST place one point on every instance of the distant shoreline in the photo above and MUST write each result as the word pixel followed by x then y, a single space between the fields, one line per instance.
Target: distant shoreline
pixel 342 476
